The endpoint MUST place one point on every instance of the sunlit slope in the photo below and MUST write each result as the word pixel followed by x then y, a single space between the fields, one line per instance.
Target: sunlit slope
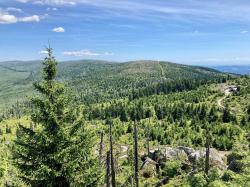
pixel 95 80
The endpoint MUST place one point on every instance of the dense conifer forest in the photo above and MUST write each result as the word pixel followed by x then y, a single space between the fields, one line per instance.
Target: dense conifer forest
pixel 141 123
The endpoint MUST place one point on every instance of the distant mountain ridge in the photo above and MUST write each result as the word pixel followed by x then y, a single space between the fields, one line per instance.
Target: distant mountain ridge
pixel 238 69
pixel 96 80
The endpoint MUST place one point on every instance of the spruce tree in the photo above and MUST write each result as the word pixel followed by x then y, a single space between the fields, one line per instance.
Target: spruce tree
pixel 226 117
pixel 57 152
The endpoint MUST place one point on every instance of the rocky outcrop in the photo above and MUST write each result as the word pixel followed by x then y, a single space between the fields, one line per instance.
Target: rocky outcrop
pixel 187 150
pixel 123 152
pixel 188 154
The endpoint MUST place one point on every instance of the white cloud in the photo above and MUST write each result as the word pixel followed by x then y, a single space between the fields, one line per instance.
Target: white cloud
pixel 49 9
pixel 58 29
pixel 50 2
pixel 85 52
pixel 152 11
pixel 7 19
pixel 12 9
pixel 80 53
pixel 34 18
pixel 243 32
pixel 43 52
pixel 23 1
pixel 108 54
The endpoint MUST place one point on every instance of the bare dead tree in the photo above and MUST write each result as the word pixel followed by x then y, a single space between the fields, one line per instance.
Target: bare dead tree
pixel 148 147
pixel 136 154
pixel 108 169
pixel 111 155
pixel 101 149
pixel 207 151
pixel 131 181
pixel 148 139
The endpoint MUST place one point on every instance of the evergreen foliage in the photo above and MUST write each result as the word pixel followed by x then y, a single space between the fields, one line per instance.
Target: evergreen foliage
pixel 60 142
pixel 58 151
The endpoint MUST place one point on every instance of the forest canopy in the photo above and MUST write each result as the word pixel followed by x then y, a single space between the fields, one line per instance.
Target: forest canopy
pixel 141 123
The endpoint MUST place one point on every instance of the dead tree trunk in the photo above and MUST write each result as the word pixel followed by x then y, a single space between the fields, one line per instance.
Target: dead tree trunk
pixel 194 165
pixel 108 169
pixel 148 146
pixel 136 155
pixel 101 150
pixel 207 151
pixel 131 181
pixel 112 156
pixel 148 139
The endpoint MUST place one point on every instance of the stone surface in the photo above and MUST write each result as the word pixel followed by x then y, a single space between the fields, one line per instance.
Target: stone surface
pixel 188 154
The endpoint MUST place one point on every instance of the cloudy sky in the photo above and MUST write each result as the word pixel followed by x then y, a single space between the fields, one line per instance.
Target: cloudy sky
pixel 186 31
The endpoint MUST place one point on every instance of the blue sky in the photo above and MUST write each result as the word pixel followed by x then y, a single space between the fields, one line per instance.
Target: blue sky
pixel 186 31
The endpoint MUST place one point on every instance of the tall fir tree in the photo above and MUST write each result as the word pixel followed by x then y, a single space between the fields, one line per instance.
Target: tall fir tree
pixel 58 151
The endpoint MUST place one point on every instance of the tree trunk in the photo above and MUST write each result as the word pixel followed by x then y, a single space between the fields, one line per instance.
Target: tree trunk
pixel 194 165
pixel 136 155
pixel 112 156
pixel 148 139
pixel 148 146
pixel 131 181
pixel 101 150
pixel 108 169
pixel 207 152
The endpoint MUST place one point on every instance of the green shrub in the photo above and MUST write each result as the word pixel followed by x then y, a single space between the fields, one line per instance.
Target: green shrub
pixel 214 174
pixel 217 183
pixel 197 180
pixel 172 168
pixel 228 176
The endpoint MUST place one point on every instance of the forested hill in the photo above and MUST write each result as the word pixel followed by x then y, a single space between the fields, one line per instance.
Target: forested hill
pixel 96 81
pixel 156 123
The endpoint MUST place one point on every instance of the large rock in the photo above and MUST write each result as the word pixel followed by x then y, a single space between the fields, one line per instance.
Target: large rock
pixel 187 150
pixel 196 155
pixel 215 158
pixel 170 153
pixel 167 153
pixel 123 148
pixel 187 154
pixel 148 168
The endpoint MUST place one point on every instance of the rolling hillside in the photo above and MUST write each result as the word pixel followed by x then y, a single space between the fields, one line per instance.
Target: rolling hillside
pixel 96 81
pixel 177 111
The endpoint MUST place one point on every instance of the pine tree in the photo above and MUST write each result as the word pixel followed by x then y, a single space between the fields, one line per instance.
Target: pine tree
pixel 226 117
pixel 248 110
pixel 57 152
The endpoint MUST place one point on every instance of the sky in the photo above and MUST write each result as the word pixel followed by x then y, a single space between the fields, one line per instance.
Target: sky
pixel 202 32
